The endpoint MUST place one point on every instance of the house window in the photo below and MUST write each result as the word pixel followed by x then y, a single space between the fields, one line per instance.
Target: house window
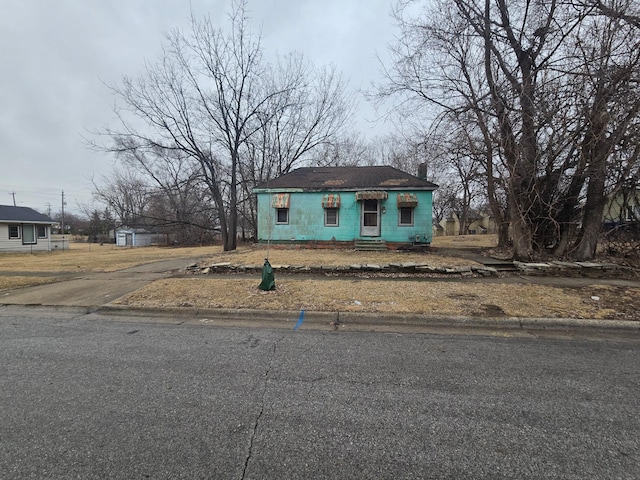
pixel 282 216
pixel 331 217
pixel 42 231
pixel 405 216
pixel 14 231
pixel 28 234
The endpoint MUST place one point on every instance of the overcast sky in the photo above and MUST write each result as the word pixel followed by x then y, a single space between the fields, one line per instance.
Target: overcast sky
pixel 57 55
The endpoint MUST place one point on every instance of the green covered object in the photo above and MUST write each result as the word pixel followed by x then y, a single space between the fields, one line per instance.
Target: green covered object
pixel 268 280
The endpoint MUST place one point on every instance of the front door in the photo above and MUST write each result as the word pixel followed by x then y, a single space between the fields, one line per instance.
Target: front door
pixel 370 218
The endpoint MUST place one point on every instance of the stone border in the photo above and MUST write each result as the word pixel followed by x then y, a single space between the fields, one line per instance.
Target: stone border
pixel 576 269
pixel 554 268
pixel 407 267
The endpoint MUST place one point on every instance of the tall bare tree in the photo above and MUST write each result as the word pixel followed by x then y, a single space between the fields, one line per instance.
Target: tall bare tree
pixel 548 92
pixel 126 194
pixel 210 96
pixel 302 120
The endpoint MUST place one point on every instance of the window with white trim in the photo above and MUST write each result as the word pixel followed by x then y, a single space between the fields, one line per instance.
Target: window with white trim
pixel 42 231
pixel 282 216
pixel 405 216
pixel 331 217
pixel 14 232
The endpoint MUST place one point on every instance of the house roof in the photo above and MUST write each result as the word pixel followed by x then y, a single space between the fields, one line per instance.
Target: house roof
pixel 347 179
pixel 22 215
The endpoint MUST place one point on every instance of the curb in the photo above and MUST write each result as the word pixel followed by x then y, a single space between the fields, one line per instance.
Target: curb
pixel 316 318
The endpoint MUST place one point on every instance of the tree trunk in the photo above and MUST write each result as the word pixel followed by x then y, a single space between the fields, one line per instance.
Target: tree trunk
pixel 231 242
pixel 591 227
pixel 503 232
pixel 521 233
pixel 594 205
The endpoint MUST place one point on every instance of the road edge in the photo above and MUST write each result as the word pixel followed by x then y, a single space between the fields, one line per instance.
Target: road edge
pixel 336 319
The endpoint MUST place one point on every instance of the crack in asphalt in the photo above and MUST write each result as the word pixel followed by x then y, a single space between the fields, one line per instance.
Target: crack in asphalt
pixel 256 424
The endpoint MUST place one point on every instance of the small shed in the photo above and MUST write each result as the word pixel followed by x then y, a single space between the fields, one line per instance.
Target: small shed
pixel 22 229
pixel 346 206
pixel 134 237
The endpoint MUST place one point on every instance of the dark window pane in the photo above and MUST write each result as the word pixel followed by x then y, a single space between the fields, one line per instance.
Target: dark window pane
pixel 370 219
pixel 283 215
pixel 370 205
pixel 406 216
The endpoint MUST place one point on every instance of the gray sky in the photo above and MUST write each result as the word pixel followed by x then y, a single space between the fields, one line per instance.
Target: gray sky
pixel 56 55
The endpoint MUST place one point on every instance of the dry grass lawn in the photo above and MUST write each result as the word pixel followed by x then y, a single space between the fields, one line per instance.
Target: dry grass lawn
pixel 18 281
pixel 465 241
pixel 91 257
pixel 353 294
pixel 384 296
pixel 287 256
pixel 84 258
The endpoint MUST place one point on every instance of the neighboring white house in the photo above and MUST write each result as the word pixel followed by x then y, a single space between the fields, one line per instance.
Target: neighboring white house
pixel 22 229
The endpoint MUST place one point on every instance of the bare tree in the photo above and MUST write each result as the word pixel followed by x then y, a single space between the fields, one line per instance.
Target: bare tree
pixel 203 98
pixel 347 150
pixel 438 73
pixel 179 202
pixel 611 106
pixel 210 98
pixel 124 193
pixel 546 95
pixel 303 119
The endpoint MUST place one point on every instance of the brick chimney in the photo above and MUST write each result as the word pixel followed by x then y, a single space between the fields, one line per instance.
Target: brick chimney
pixel 422 171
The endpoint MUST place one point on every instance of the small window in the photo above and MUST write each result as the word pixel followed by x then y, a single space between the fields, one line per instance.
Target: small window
pixel 282 216
pixel 331 217
pixel 42 231
pixel 14 231
pixel 405 216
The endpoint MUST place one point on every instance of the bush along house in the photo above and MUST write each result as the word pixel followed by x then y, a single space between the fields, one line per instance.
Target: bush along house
pixel 363 207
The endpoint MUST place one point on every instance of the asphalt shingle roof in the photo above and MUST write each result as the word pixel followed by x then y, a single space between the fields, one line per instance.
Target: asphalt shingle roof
pixel 348 178
pixel 9 213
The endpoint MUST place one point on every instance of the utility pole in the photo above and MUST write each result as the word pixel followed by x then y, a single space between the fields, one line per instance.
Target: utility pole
pixel 48 209
pixel 63 204
pixel 14 197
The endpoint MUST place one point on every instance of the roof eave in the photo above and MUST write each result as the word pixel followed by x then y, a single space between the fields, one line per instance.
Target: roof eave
pixel 30 222
pixel 349 189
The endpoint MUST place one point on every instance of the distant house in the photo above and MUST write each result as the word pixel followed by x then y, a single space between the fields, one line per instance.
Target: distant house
pixel 623 207
pixel 346 206
pixel 450 225
pixel 482 224
pixel 22 229
pixel 622 212
pixel 478 224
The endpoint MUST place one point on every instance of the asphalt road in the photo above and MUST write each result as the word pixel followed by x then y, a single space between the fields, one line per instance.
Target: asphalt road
pixel 82 396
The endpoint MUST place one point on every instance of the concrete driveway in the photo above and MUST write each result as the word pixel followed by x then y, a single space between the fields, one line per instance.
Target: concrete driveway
pixel 94 289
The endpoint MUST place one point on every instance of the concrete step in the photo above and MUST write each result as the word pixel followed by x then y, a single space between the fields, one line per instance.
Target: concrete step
pixel 370 245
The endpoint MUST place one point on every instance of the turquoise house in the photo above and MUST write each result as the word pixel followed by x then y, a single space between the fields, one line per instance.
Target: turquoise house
pixel 346 206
